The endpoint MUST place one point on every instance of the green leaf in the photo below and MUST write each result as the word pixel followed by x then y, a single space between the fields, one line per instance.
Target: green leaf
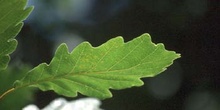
pixel 92 71
pixel 12 13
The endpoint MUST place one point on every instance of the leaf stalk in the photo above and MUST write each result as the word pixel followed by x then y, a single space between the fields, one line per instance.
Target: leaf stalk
pixel 7 92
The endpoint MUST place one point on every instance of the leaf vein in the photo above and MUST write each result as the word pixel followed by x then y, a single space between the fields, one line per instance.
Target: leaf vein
pixel 83 84
pixel 101 58
pixel 125 56
pixel 80 56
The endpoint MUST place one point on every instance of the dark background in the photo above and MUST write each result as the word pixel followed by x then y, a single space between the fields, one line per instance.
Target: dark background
pixel 189 27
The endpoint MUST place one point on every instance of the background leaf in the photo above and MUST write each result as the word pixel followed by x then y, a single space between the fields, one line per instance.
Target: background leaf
pixel 17 99
pixel 12 13
pixel 92 71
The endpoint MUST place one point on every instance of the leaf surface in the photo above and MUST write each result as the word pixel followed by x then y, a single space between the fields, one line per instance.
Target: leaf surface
pixel 12 13
pixel 92 71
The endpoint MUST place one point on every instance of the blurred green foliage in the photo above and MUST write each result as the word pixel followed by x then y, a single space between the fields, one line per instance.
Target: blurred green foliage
pixel 19 98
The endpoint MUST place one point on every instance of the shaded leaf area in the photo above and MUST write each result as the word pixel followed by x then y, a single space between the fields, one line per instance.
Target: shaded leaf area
pixel 12 14
pixel 92 71
pixel 17 99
